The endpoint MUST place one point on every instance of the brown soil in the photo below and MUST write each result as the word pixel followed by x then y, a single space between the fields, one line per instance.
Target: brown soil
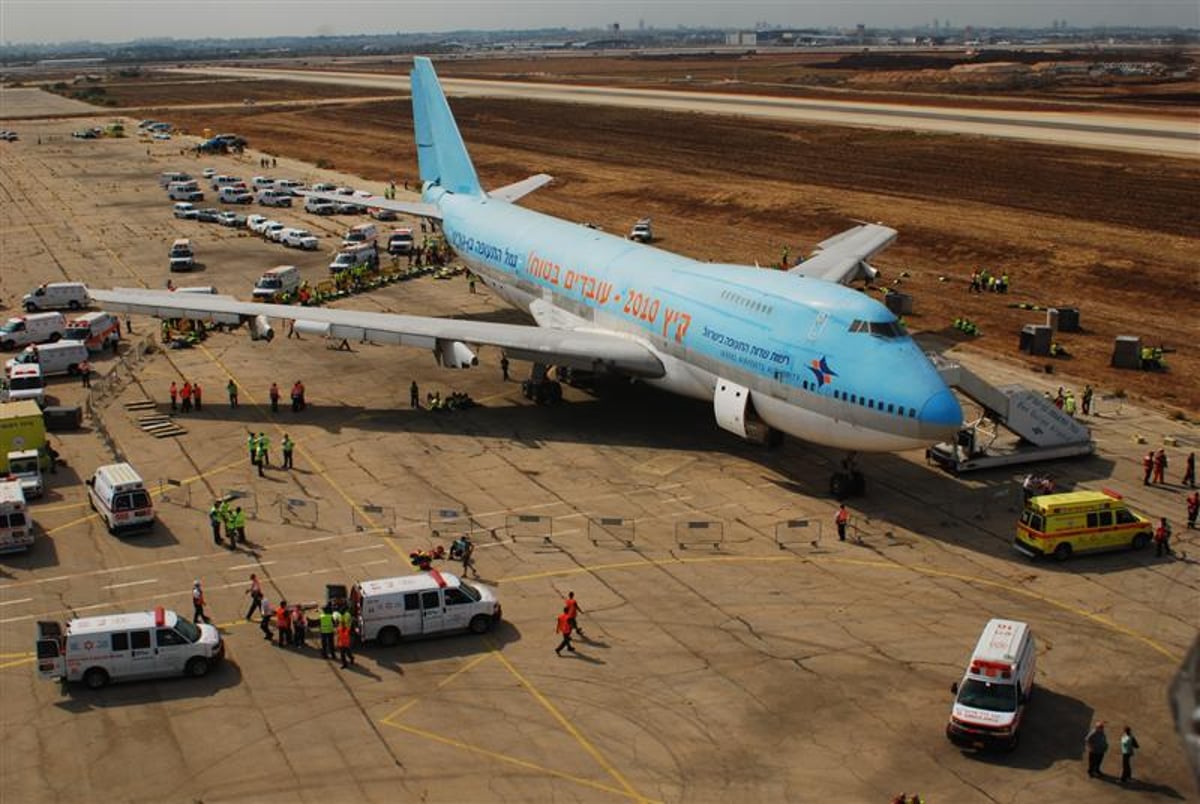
pixel 155 91
pixel 1111 233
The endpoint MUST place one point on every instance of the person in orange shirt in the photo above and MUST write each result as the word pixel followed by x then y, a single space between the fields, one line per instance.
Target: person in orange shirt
pixel 174 392
pixel 571 607
pixel 185 397
pixel 283 623
pixel 840 519
pixel 197 398
pixel 343 641
pixel 563 626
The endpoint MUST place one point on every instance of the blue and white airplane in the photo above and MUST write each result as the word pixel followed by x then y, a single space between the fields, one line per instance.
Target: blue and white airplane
pixel 795 352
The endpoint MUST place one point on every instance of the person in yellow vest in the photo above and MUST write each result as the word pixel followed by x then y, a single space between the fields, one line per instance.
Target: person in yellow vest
pixel 239 527
pixel 288 447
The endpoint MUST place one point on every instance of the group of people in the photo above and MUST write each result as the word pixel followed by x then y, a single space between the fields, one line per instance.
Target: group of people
pixel 1065 401
pixel 1154 469
pixel 232 518
pixel 1096 745
pixel 273 394
pixel 184 398
pixel 982 281
pixel 259 449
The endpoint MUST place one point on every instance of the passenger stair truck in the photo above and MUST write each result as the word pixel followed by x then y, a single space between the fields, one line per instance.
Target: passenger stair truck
pixel 121 647
pixel 1044 432
pixel 16 529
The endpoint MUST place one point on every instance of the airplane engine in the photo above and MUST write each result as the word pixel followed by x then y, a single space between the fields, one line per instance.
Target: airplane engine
pixel 454 354
pixel 260 329
pixel 317 328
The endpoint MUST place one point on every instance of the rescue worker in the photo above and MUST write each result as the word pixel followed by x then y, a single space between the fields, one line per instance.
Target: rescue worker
pixel 1087 400
pixel 273 393
pixel 256 595
pixel 283 623
pixel 571 607
pixel 1160 466
pixel 288 446
pixel 841 518
pixel 504 368
pixel 1096 744
pixel 198 603
pixel 1162 538
pixel 252 446
pixel 214 520
pixel 1147 467
pixel 85 374
pixel 1129 744
pixel 239 527
pixel 232 389
pixel 299 627
pixel 260 456
pixel 1193 508
pixel 326 626
pixel 563 626
pixel 297 397
pixel 196 397
pixel 185 397
pixel 343 641
pixel 1189 471
pixel 174 392
pixel 1069 404
pixel 264 445
pixel 467 554
pixel 414 396
pixel 230 527
pixel 264 622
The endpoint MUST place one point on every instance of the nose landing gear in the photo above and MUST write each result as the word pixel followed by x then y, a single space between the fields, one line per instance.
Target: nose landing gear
pixel 849 482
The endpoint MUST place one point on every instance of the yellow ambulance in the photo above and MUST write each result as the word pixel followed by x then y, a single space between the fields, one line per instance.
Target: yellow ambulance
pixel 1061 525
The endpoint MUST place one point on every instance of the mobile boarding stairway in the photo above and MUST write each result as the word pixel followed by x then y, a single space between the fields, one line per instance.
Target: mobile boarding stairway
pixel 1044 432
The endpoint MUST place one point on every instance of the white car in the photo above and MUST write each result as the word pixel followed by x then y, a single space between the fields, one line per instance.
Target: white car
pixel 208 173
pixel 255 223
pixel 324 187
pixel 262 182
pixel 299 238
pixel 185 210
pixel 288 186
pixel 272 230
pixel 319 206
pixel 274 198
pixel 349 208
pixel 228 219
pixel 344 190
pixel 160 135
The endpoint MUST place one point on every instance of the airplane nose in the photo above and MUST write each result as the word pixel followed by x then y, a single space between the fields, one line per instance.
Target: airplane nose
pixel 941 416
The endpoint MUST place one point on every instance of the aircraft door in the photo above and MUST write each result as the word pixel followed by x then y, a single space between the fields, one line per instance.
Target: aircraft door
pixel 730 403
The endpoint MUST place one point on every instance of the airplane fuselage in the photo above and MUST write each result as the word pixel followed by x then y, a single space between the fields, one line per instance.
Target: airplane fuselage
pixel 819 360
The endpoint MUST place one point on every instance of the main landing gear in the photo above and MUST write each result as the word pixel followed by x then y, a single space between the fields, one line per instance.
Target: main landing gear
pixel 540 388
pixel 849 482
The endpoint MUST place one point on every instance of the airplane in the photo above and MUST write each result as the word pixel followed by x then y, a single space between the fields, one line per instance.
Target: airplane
pixel 794 352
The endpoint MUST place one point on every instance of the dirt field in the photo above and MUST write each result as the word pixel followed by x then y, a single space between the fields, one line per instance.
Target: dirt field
pixel 1113 234
pixel 157 89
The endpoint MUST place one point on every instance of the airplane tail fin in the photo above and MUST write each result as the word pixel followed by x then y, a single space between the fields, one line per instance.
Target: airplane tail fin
pixel 441 153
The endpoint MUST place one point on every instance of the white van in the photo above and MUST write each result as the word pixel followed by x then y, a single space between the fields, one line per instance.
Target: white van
pixel 123 647
pixel 274 198
pixel 990 701
pixel 57 296
pixel 98 331
pixel 289 186
pixel 185 191
pixel 354 256
pixel 117 493
pixel 16 531
pixel 360 234
pixel 234 195
pixel 63 357
pixel 262 182
pixel 25 381
pixel 426 603
pixel 172 177
pixel 181 255
pixel 225 181
pixel 23 330
pixel 280 279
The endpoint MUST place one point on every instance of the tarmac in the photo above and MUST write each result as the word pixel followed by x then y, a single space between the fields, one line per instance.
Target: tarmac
pixel 735 648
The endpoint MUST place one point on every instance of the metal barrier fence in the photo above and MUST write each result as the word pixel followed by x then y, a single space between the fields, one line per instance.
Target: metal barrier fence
pixel 175 491
pixel 369 516
pixel 529 527
pixel 695 532
pixel 612 530
pixel 450 523
pixel 795 532
pixel 294 509
pixel 246 500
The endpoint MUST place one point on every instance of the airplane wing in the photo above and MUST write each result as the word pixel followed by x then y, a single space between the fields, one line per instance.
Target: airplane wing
pixel 843 257
pixel 577 348
pixel 520 189
pixel 419 208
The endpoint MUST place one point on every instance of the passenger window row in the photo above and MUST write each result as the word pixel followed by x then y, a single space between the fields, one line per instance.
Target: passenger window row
pixel 871 404
pixel 749 304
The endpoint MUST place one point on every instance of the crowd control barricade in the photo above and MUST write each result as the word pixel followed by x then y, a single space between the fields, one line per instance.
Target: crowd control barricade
pixel 529 527
pixel 369 516
pixel 612 531
pixel 794 533
pixel 247 500
pixel 451 523
pixel 175 491
pixel 301 511
pixel 699 532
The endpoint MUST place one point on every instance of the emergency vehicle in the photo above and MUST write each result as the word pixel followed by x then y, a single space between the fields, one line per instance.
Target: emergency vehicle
pixel 1061 525
pixel 23 330
pixel 98 331
pixel 117 493
pixel 123 647
pixel 426 603
pixel 26 382
pixel 16 530
pixel 990 701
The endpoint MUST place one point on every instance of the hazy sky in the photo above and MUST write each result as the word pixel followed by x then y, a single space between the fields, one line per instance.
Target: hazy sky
pixel 123 20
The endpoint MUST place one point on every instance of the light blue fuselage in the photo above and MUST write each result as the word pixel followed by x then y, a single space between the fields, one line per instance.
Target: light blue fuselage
pixel 803 347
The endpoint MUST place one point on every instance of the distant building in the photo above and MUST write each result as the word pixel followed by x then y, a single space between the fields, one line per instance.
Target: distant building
pixel 742 39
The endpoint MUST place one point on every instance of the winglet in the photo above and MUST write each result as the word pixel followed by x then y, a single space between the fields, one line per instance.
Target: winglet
pixel 441 153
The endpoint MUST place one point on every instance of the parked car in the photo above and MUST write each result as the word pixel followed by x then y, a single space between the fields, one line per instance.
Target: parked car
pixel 381 214
pixel 85 134
pixel 160 135
pixel 231 219
pixel 262 182
pixel 299 238
pixel 272 230
pixel 288 185
pixel 344 190
pixel 234 195
pixel 347 208
pixel 255 223
pixel 185 210
pixel 324 187
pixel 319 206
pixel 274 198
pixel 208 172
pixel 208 215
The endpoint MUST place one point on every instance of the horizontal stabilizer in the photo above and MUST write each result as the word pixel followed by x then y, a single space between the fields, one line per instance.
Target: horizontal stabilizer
pixel 843 257
pixel 419 208
pixel 520 189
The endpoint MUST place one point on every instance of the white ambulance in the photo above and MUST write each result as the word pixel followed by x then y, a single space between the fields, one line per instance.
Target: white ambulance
pixel 23 330
pixel 117 493
pixel 16 529
pixel 25 381
pixel 98 331
pixel 426 603
pixel 990 700
pixel 123 647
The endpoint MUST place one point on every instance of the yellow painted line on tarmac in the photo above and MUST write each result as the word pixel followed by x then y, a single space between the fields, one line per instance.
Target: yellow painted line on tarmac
pixel 469 665
pixel 45 509
pixel 23 654
pixel 970 579
pixel 438 738
pixel 569 726
pixel 18 662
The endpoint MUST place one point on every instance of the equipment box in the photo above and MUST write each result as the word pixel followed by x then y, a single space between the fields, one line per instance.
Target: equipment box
pixel 63 418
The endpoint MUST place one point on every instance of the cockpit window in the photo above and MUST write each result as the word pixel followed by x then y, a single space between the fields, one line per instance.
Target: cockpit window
pixel 884 329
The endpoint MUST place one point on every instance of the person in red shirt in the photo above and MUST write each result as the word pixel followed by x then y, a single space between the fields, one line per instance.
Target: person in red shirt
pixel 196 397
pixel 185 397
pixel 563 626
pixel 1193 508
pixel 840 519
pixel 274 395
pixel 283 623
pixel 174 392
pixel 571 607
